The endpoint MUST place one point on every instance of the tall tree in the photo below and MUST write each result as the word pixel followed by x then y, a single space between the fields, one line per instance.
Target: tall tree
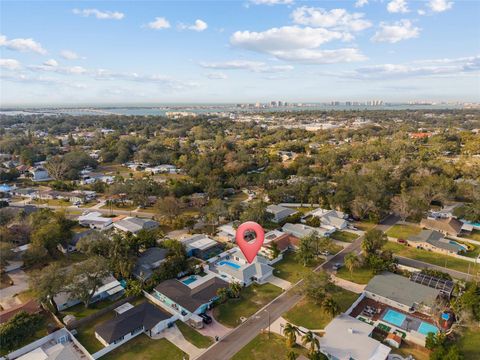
pixel 311 340
pixel 374 241
pixel 290 331
pixel 48 282
pixel 352 261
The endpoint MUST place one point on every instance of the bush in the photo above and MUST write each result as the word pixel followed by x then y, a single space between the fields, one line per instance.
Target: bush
pixel 22 325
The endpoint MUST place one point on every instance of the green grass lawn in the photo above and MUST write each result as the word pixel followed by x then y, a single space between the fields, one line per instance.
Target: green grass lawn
pixel 251 300
pixel 113 207
pixel 53 202
pixel 361 275
pixel 403 231
pixel 473 253
pixel 291 270
pixel 344 236
pixel 364 225
pixel 474 235
pixel 429 257
pixel 418 353
pixel 469 344
pixel 193 336
pixel 144 348
pixel 263 347
pixel 309 315
pixel 80 311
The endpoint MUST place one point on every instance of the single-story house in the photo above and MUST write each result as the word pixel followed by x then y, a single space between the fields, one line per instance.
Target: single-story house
pixel 227 232
pixel 449 226
pixel 201 246
pixel 25 192
pixel 165 168
pixel 280 213
pixel 233 266
pixel 144 318
pixel 401 293
pixel 39 174
pixel 186 301
pixel 348 338
pixel 284 241
pixel 134 224
pixel 149 260
pixel 302 230
pixel 71 245
pixel 111 288
pixel 95 220
pixel 435 241
pixel 329 218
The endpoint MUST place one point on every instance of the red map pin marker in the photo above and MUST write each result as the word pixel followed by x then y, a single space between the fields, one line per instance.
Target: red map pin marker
pixel 250 250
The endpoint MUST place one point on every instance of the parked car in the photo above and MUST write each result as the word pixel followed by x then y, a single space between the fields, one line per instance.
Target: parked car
pixel 325 253
pixel 401 241
pixel 207 319
pixel 337 266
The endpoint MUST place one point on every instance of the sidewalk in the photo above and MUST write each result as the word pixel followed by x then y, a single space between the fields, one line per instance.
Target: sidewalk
pixel 348 285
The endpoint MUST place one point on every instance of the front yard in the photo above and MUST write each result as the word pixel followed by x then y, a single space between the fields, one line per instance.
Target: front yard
pixel 251 299
pixel 193 336
pixel 469 344
pixel 265 347
pixel 144 348
pixel 290 269
pixel 344 236
pixel 360 275
pixel 310 315
pixel 403 231
pixel 429 257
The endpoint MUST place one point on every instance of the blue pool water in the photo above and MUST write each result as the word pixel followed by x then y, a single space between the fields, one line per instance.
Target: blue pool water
pixel 459 246
pixel 471 223
pixel 189 280
pixel 394 317
pixel 426 328
pixel 229 263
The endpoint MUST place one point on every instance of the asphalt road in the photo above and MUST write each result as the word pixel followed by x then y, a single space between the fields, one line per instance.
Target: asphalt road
pixel 246 332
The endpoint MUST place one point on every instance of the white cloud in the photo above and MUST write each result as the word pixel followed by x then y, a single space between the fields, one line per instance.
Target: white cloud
pixel 423 68
pixel 10 64
pixel 338 19
pixel 23 45
pixel 69 55
pixel 51 62
pixel 361 3
pixel 254 66
pixel 159 23
pixel 440 5
pixel 216 76
pixel 199 25
pixel 271 2
pixel 293 43
pixel 284 38
pixel 392 33
pixel 421 12
pixel 397 6
pixel 101 15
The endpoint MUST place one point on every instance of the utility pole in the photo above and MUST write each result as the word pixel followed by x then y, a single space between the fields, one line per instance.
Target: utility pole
pixel 268 313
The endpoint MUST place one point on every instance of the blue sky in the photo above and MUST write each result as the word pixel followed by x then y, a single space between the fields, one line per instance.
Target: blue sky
pixel 238 51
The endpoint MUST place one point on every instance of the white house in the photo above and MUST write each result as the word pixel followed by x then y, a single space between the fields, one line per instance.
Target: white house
pixel 348 338
pixel 134 224
pixel 302 230
pixel 280 213
pixel 95 220
pixel 227 232
pixel 329 218
pixel 165 168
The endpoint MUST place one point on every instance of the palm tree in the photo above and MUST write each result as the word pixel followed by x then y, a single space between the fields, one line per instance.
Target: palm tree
pixel 311 338
pixel 352 261
pixel 235 289
pixel 317 355
pixel 222 294
pixel 290 332
pixel 330 306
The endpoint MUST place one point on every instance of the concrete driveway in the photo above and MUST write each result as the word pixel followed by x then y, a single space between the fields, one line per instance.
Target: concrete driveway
pixel 214 329
pixel 175 336
pixel 282 284
pixel 20 284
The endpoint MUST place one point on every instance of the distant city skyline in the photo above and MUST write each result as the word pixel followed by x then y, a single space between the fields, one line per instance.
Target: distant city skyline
pixel 118 52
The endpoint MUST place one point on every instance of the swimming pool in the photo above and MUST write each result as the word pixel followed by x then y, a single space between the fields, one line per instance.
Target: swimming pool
pixel 426 328
pixel 189 280
pixel 458 245
pixel 229 263
pixel 394 317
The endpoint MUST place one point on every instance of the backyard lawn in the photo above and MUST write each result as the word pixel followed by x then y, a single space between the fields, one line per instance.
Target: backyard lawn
pixel 344 236
pixel 364 225
pixel 429 257
pixel 474 235
pixel 403 231
pixel 312 316
pixel 290 269
pixel 360 275
pixel 469 344
pixel 252 298
pixel 263 347
pixel 144 348
pixel 193 336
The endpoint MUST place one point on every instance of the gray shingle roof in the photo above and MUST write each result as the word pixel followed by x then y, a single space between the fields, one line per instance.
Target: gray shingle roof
pixel 144 315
